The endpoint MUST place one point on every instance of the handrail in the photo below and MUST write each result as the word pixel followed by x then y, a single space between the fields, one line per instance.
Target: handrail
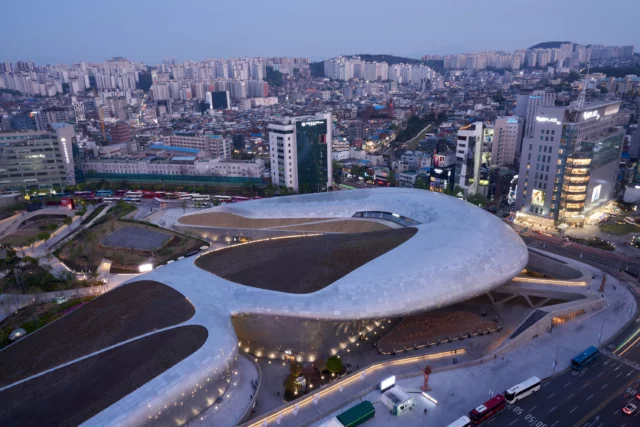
pixel 308 399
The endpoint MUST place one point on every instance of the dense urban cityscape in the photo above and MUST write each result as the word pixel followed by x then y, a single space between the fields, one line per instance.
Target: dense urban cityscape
pixel 363 239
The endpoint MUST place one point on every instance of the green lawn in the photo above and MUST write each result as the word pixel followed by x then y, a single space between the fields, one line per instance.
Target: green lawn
pixel 620 229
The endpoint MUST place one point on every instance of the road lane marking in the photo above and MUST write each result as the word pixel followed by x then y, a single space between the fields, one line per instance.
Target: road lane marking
pixel 551 395
pixel 573 409
pixel 568 398
pixel 617 376
pixel 584 386
pixel 513 422
pixel 532 408
pixel 606 401
pixel 567 384
pixel 553 409
pixel 589 397
pixel 600 374
pixel 602 388
pixel 552 425
pixel 616 412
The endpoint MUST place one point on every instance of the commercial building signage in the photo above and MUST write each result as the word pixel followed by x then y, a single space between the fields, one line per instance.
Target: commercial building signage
pixel 591 114
pixel 312 123
pixel 547 119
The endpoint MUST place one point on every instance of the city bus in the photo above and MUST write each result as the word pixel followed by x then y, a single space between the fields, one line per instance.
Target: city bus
pixel 584 358
pixel 134 194
pixel 171 196
pixel 522 390
pixel 487 410
pixel 135 200
pixel 148 195
pixel 201 197
pixel 111 199
pixel 463 421
pixel 121 193
pixel 104 193
pixel 83 194
pixel 226 199
pixel 239 199
pixel 186 197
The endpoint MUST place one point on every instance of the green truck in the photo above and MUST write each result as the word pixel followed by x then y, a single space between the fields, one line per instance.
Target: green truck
pixel 357 414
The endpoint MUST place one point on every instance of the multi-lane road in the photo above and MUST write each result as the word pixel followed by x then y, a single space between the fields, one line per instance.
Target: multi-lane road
pixel 595 396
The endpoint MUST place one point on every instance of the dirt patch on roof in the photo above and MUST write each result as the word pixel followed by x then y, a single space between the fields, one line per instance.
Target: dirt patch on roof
pixel 343 226
pixel 301 265
pixel 429 327
pixel 121 314
pixel 71 395
pixel 229 220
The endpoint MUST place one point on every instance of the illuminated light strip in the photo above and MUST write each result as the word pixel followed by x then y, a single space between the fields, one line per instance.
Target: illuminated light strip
pixel 548 281
pixel 429 398
pixel 630 347
pixel 336 385
pixel 627 340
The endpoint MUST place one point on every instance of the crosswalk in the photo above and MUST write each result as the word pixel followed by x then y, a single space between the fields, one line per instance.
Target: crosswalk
pixel 622 360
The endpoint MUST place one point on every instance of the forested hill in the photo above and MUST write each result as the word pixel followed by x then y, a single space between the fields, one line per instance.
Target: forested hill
pixel 548 45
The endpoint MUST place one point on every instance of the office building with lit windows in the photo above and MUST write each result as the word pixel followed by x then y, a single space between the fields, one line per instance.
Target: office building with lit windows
pixel 301 153
pixel 38 159
pixel 569 163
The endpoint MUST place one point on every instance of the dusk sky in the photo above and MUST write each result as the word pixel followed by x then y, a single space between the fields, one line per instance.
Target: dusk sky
pixel 143 30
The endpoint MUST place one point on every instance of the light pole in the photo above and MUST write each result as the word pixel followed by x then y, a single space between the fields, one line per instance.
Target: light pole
pixel 601 330
pixel 555 361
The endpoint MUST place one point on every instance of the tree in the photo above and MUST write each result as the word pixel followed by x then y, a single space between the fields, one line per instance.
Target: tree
pixel 334 365
pixel 43 236
pixel 478 200
pixel 67 221
pixel 392 178
pixel 52 227
pixel 269 190
pixel 31 241
pixel 421 183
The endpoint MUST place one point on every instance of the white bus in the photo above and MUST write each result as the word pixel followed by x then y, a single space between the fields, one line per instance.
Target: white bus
pixel 201 197
pixel 111 199
pixel 463 421
pixel 522 390
pixel 226 199
pixel 186 197
pixel 133 194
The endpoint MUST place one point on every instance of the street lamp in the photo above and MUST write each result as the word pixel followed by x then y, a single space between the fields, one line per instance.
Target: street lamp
pixel 601 330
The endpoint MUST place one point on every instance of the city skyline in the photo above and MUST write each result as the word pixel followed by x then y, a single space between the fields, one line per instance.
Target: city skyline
pixel 271 31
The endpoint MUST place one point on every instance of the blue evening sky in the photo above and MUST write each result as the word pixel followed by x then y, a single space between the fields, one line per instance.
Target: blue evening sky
pixel 72 30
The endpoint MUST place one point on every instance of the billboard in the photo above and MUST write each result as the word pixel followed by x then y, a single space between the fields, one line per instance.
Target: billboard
pixel 537 198
pixel 595 195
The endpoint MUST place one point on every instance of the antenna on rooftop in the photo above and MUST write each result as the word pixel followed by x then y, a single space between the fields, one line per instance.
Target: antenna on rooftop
pixel 583 93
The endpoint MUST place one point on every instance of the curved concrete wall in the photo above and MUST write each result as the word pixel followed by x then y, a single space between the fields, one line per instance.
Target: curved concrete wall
pixel 552 268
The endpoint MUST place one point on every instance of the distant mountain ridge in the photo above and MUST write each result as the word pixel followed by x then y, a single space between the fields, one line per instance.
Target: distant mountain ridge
pixel 548 45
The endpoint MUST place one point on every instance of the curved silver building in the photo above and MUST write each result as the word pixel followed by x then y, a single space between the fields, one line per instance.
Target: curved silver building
pixel 357 258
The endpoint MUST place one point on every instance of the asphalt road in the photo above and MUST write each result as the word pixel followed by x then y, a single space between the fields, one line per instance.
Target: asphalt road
pixel 595 396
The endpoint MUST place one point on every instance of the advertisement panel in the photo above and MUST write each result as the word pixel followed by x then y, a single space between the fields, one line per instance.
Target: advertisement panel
pixel 537 198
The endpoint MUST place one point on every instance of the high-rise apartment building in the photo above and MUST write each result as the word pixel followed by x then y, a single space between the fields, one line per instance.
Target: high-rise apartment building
pixel 300 150
pixel 30 160
pixel 219 100
pixel 569 163
pixel 507 134
pixel 469 157
pixel 527 102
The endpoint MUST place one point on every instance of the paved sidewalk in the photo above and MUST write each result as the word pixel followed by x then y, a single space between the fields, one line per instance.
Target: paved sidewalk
pixel 460 390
